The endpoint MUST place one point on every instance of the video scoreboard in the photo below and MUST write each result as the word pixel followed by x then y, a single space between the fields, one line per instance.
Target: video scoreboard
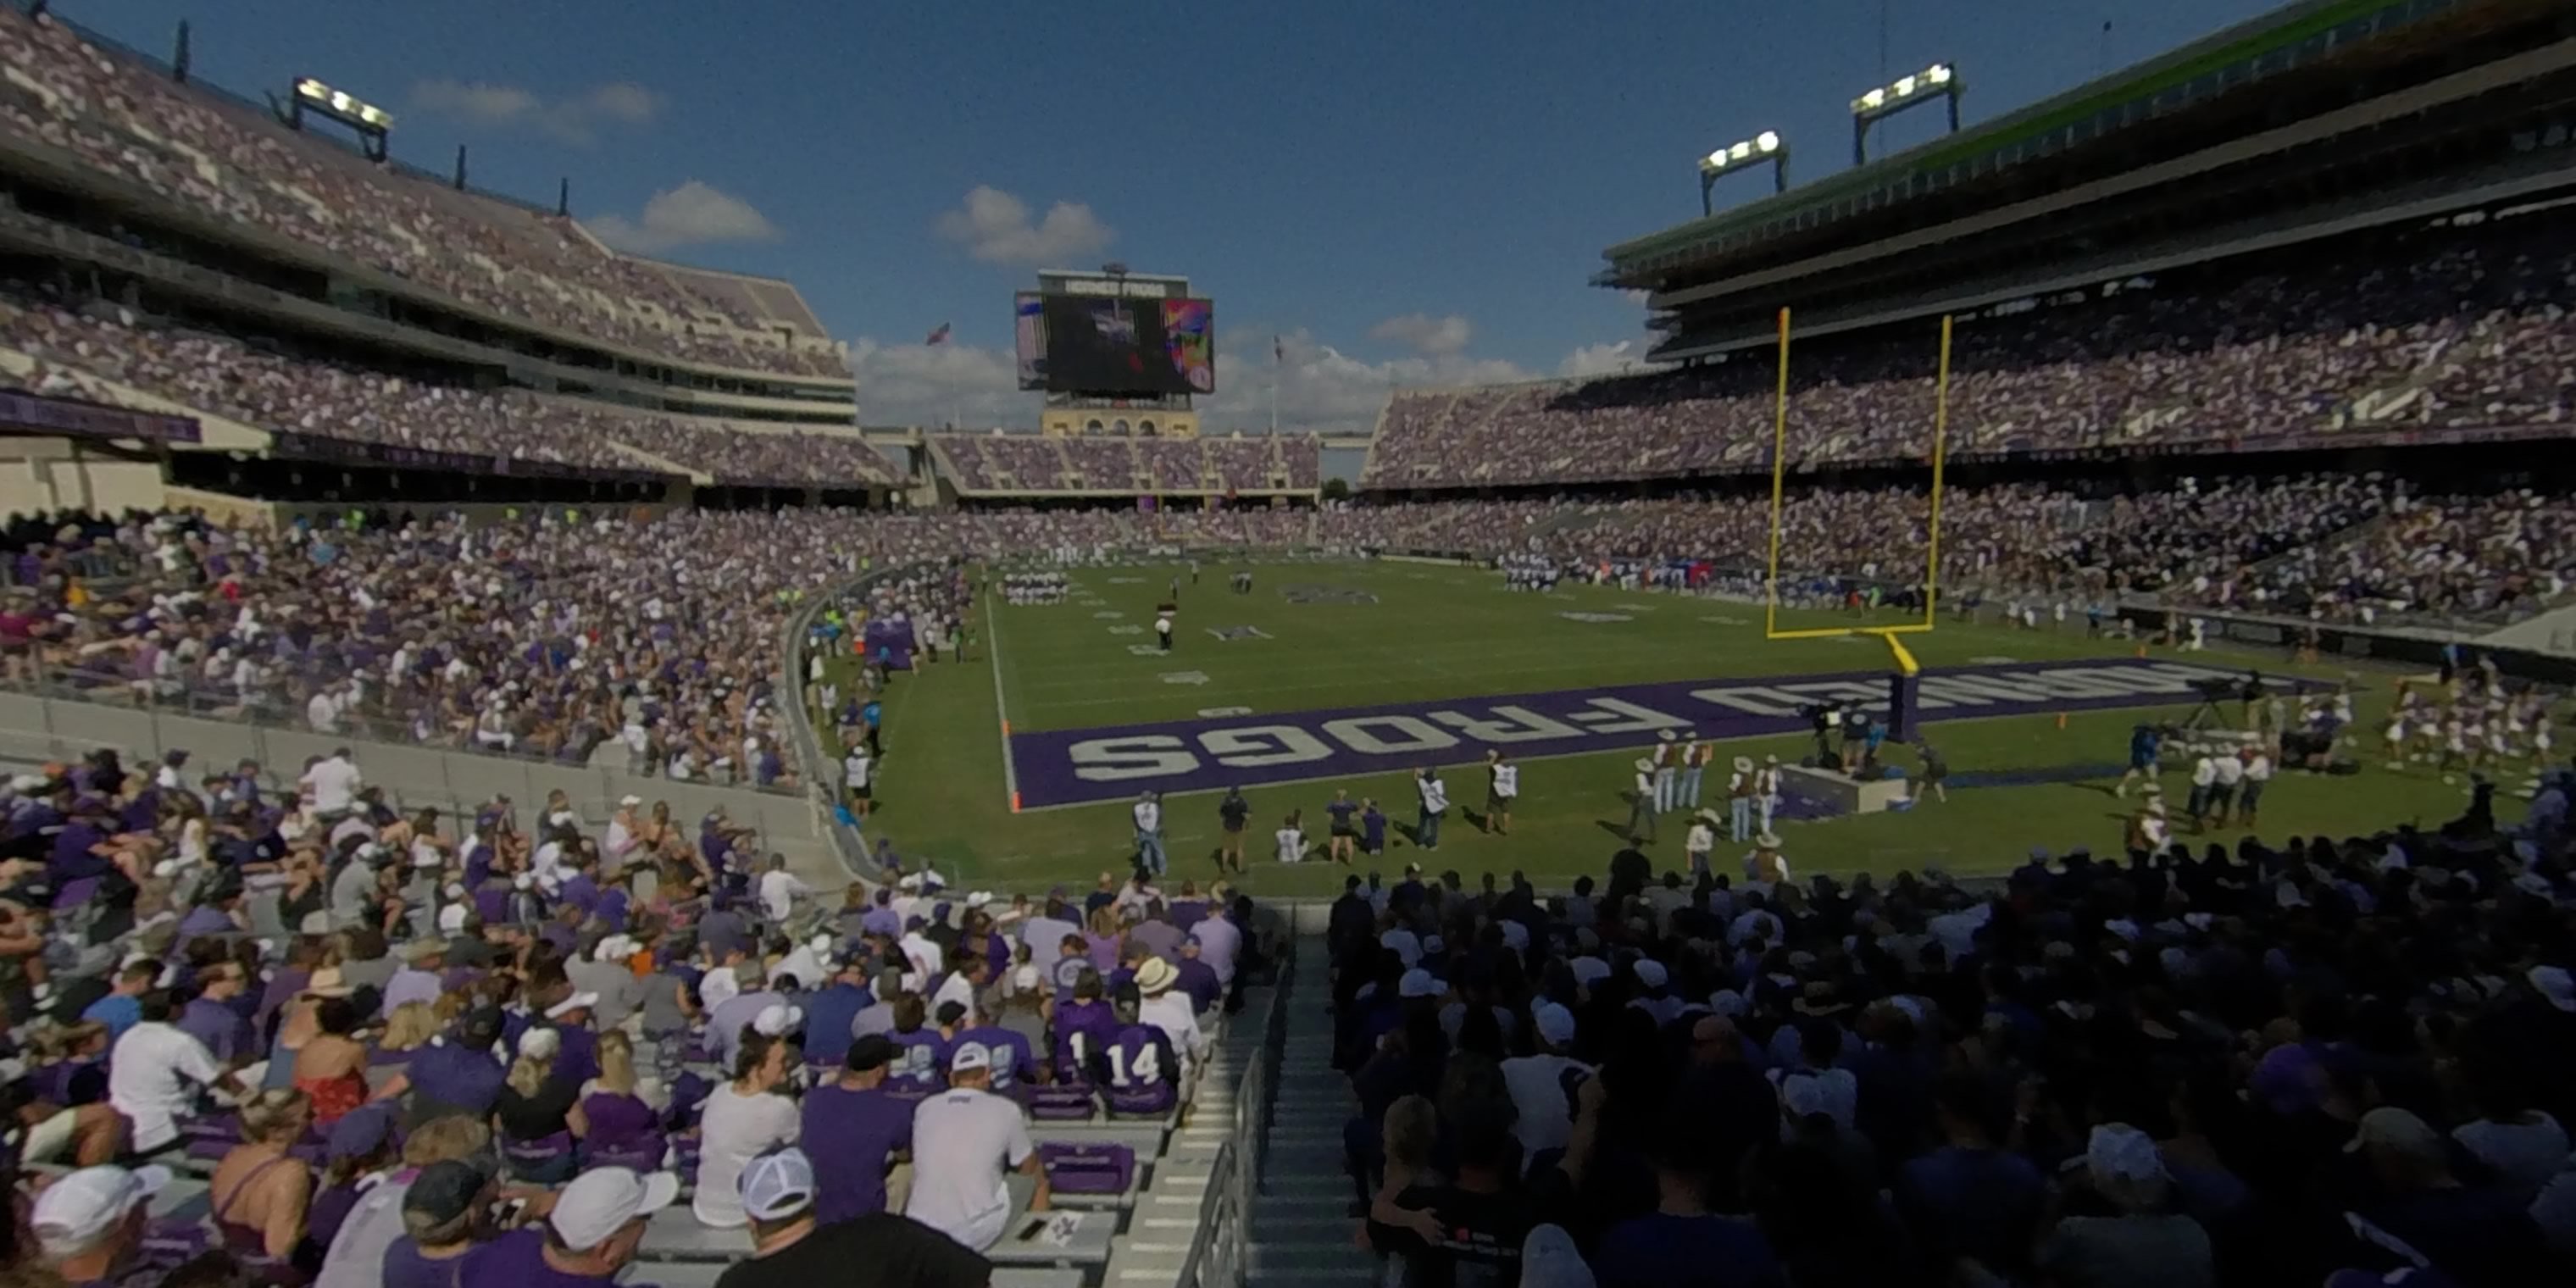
pixel 1111 336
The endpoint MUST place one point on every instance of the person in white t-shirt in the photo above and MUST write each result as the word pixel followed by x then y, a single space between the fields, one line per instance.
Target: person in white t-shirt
pixel 1501 792
pixel 1701 841
pixel 332 783
pixel 1435 805
pixel 780 889
pixel 746 1117
pixel 623 839
pixel 968 969
pixel 2258 772
pixel 1292 838
pixel 2222 793
pixel 2204 776
pixel 1537 1082
pixel 859 774
pixel 1171 1011
pixel 156 1072
pixel 966 1143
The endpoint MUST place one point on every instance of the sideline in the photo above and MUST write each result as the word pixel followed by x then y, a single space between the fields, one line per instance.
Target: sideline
pixel 1001 705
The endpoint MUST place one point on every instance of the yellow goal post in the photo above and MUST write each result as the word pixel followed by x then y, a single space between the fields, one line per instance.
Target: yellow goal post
pixel 1779 491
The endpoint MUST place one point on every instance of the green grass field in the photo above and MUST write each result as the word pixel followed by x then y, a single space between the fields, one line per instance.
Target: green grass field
pixel 1444 632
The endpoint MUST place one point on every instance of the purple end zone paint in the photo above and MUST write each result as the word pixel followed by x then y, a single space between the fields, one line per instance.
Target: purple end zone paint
pixel 1067 767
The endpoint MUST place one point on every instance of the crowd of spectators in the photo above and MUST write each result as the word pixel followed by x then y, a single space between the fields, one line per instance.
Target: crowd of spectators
pixel 2347 1056
pixel 998 462
pixel 393 1051
pixel 132 123
pixel 2447 327
pixel 229 377
pixel 651 643
pixel 2334 547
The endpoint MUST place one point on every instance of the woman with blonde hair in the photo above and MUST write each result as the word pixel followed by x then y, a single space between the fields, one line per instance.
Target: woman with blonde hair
pixel 409 1027
pixel 261 1191
pixel 538 1113
pixel 622 1129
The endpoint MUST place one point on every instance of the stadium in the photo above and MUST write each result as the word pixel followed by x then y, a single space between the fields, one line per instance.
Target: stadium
pixel 2045 686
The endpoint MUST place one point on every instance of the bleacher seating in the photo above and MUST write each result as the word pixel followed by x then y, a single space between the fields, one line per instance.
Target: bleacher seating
pixel 268 389
pixel 131 123
pixel 2425 328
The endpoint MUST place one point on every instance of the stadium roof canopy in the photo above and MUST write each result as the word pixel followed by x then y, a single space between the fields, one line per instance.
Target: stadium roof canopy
pixel 2287 37
pixel 2362 102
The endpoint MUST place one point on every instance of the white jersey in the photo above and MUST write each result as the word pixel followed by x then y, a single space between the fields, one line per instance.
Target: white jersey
pixel 1507 781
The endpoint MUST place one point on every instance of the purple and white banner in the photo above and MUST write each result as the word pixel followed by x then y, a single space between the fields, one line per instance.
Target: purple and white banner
pixel 1067 767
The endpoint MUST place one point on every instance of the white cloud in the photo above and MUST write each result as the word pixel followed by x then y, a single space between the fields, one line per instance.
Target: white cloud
pixel 994 226
pixel 1322 388
pixel 1603 359
pixel 1424 334
pixel 923 384
pixel 572 118
pixel 690 214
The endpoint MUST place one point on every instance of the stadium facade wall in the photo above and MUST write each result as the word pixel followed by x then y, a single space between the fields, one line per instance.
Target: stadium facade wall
pixel 43 475
pixel 36 727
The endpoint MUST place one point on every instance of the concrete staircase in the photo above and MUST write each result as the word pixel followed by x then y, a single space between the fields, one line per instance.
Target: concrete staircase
pixel 1301 1228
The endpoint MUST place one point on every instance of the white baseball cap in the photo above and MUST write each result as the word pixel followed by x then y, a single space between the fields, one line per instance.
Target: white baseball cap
pixel 576 1002
pixel 601 1201
pixel 451 919
pixel 540 1043
pixel 777 1021
pixel 969 1057
pixel 1419 983
pixel 1555 1024
pixel 2120 1152
pixel 73 1213
pixel 1589 971
pixel 778 1184
pixel 1651 973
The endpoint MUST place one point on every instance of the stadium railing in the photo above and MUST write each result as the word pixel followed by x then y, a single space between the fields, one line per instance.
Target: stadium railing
pixel 1220 1249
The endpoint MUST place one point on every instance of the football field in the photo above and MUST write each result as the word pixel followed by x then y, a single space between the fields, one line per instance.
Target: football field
pixel 1353 675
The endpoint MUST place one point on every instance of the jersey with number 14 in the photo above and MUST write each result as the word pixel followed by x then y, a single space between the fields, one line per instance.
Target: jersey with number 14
pixel 1136 1068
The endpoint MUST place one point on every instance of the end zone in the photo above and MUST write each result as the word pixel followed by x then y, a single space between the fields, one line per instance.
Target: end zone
pixel 1076 766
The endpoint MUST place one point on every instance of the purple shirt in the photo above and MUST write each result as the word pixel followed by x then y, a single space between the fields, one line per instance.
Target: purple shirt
pixel 848 1134
pixel 406 1268
pixel 226 1035
pixel 446 1078
pixel 922 1062
pixel 411 985
pixel 1082 1031
pixel 1012 1059
pixel 519 1260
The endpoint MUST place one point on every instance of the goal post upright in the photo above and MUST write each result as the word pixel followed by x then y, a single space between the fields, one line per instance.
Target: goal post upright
pixel 1940 450
pixel 1779 476
pixel 1902 657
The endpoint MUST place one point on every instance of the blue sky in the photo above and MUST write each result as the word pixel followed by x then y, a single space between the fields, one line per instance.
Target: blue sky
pixel 1412 192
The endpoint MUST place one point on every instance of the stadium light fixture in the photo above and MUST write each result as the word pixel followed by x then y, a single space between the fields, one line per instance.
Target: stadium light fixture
pixel 1938 81
pixel 342 104
pixel 1767 146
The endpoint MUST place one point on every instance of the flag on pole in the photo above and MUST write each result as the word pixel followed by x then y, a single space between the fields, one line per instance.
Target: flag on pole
pixel 938 335
pixel 1278 349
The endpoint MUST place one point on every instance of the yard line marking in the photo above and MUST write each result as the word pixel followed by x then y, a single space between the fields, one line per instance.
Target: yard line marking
pixel 1001 704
